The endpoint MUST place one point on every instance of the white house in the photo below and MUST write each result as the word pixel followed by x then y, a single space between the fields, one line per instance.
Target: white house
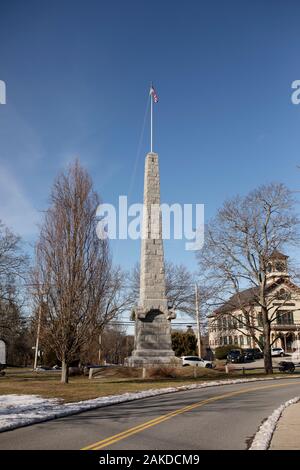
pixel 228 324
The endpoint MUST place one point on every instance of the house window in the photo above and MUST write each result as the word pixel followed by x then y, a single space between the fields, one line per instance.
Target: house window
pixel 261 339
pixel 225 340
pixel 269 268
pixel 283 295
pixel 236 341
pixel 241 340
pixel 240 321
pixel 230 339
pixel 280 266
pixel 284 318
pixel 259 319
pixel 248 340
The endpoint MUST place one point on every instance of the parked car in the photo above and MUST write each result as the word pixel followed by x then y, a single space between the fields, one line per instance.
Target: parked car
pixel 196 361
pixel 43 368
pixel 277 352
pixel 258 354
pixel 235 356
pixel 250 354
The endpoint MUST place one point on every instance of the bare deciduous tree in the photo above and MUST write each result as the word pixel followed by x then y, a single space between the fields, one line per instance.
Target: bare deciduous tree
pixel 236 256
pixel 74 271
pixel 13 262
pixel 116 344
pixel 13 268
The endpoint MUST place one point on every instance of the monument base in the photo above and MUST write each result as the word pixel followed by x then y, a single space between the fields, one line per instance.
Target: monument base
pixel 153 344
pixel 153 358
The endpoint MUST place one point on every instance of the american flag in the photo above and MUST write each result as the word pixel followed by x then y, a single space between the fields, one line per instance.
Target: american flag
pixel 154 94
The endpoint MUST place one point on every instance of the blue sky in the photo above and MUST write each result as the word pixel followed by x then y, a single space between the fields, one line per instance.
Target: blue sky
pixel 77 76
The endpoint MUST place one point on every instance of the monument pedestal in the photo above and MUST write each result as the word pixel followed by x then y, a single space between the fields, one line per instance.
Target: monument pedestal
pixel 153 345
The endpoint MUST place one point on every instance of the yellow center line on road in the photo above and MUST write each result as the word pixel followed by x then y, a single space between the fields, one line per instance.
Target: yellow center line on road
pixel 160 419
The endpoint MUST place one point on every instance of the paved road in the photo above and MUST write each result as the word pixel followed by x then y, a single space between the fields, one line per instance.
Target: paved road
pixel 224 417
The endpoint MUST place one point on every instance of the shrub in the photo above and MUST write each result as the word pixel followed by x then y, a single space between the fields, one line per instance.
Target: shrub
pixel 222 351
pixel 184 344
pixel 162 372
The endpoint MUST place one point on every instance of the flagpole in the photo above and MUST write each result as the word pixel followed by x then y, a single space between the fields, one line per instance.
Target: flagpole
pixel 151 114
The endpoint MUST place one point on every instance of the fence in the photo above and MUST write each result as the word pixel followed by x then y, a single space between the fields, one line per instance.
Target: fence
pixel 244 370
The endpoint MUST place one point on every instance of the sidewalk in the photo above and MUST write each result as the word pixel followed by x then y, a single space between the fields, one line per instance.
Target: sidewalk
pixel 287 432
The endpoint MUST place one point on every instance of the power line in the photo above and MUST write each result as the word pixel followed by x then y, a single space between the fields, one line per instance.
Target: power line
pixel 132 322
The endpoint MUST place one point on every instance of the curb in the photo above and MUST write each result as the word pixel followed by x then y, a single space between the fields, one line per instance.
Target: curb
pixel 265 432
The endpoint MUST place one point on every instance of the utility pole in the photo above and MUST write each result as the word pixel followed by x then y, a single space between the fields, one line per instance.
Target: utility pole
pixel 198 320
pixel 100 347
pixel 37 337
pixel 41 295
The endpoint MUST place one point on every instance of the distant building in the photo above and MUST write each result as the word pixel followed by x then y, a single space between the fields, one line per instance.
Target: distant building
pixel 227 323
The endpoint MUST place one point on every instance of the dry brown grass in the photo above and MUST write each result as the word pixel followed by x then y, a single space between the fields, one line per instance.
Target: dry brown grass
pixel 119 372
pixel 114 380
pixel 162 372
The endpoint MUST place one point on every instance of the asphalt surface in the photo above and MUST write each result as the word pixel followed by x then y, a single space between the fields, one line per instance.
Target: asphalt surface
pixel 223 417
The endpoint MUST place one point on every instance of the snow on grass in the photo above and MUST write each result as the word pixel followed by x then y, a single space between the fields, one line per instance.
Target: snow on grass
pixel 21 410
pixel 264 435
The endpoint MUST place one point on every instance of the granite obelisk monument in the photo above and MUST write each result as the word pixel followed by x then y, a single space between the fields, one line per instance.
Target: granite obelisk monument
pixel 152 315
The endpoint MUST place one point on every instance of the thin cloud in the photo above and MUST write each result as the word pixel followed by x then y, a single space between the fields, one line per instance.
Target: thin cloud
pixel 16 210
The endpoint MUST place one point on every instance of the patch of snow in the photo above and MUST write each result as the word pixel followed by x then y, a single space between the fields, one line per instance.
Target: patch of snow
pixel 21 410
pixel 264 435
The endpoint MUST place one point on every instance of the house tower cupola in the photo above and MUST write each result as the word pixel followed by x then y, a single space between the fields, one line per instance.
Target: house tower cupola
pixel 277 266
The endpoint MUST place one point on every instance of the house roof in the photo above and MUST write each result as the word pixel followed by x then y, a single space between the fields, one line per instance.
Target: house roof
pixel 278 255
pixel 241 299
pixel 249 296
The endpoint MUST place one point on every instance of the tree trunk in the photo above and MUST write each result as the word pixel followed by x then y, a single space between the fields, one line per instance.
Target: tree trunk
pixel 64 372
pixel 267 350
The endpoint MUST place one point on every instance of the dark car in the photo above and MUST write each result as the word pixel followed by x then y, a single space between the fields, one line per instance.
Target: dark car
pixel 251 354
pixel 235 356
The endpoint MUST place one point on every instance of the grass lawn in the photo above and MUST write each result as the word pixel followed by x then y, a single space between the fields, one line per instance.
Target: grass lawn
pixel 111 382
